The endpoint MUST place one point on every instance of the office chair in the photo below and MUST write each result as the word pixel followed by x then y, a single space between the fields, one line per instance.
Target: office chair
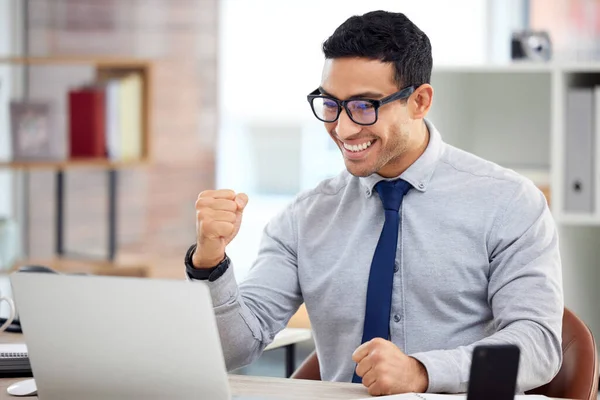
pixel 576 379
pixel 578 375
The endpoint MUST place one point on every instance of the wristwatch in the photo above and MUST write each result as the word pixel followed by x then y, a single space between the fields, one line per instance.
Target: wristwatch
pixel 210 274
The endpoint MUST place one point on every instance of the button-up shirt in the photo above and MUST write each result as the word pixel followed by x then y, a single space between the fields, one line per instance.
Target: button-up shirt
pixel 477 263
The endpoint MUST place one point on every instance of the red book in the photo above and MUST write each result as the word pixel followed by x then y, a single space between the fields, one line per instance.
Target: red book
pixel 87 123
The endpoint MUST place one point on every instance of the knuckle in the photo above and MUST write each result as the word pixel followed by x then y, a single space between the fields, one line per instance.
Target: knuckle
pixel 202 202
pixel 225 194
pixel 374 390
pixel 359 371
pixel 384 384
pixel 376 356
pixel 204 194
pixel 380 369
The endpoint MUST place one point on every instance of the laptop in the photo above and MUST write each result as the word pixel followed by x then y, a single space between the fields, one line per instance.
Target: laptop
pixel 99 337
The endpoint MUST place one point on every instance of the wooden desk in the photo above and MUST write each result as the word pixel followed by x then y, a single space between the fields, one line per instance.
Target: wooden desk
pixel 267 388
pixel 251 386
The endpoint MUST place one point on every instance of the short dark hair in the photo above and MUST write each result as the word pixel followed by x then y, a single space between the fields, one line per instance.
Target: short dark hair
pixel 387 37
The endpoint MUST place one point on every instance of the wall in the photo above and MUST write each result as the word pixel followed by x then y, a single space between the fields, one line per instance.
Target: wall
pixel 279 50
pixel 5 45
pixel 156 203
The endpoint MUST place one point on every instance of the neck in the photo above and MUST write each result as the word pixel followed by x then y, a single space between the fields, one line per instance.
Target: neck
pixel 419 139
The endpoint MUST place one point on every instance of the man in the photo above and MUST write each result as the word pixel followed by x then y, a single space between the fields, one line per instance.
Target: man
pixel 406 261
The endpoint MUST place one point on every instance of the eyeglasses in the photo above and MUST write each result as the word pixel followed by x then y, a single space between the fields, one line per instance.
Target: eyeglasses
pixel 360 111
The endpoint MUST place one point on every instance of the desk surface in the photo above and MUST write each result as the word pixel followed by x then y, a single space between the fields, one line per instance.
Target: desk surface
pixel 267 388
pixel 251 386
pixel 289 336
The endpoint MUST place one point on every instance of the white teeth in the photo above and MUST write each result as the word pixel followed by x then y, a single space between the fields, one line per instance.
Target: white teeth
pixel 357 147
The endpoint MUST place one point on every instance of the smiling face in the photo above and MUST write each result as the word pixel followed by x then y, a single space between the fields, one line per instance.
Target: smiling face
pixel 380 147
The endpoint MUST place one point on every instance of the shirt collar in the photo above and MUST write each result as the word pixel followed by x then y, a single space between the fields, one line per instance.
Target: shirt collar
pixel 419 173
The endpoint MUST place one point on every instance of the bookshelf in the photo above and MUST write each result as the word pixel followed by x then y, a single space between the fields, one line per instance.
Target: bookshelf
pixel 66 164
pixel 516 115
pixel 101 68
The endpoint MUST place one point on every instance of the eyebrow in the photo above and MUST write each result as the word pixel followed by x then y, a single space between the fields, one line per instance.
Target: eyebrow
pixel 368 95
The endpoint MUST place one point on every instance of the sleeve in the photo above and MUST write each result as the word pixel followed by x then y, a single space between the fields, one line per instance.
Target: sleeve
pixel 251 314
pixel 525 294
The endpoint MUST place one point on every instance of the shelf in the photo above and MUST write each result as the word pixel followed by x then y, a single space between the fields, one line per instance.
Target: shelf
pixel 520 67
pixel 68 164
pixel 502 68
pixel 54 80
pixel 101 61
pixel 581 68
pixel 578 219
pixel 86 266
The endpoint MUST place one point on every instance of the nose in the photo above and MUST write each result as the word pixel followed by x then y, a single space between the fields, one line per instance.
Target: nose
pixel 345 126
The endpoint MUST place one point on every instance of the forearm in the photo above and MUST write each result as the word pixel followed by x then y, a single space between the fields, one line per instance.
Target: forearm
pixel 241 337
pixel 541 356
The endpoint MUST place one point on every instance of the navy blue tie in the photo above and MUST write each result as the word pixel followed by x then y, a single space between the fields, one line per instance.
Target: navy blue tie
pixel 381 277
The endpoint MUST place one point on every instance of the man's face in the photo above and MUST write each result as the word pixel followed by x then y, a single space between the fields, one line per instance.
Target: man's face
pixel 388 138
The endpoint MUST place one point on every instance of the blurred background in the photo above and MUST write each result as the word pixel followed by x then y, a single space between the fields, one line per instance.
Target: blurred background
pixel 114 115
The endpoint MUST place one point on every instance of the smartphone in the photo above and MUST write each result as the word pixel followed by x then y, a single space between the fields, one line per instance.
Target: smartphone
pixel 494 370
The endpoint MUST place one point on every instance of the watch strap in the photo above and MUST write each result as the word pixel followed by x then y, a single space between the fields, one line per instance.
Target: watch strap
pixel 210 274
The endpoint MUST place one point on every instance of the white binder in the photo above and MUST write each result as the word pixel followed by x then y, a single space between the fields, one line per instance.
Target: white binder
pixel 579 151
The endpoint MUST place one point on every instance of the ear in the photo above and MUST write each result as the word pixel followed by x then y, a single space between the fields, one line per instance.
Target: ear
pixel 420 101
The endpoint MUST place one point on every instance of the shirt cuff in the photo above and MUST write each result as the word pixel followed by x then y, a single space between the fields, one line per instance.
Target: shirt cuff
pixel 222 290
pixel 441 371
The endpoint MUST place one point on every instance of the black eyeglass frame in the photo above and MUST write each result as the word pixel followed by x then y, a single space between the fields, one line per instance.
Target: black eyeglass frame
pixel 399 95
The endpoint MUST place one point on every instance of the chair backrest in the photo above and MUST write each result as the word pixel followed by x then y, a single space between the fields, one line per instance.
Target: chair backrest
pixel 309 369
pixel 578 375
pixel 576 379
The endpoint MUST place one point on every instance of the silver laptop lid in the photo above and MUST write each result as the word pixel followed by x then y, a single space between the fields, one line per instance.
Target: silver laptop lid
pixel 94 337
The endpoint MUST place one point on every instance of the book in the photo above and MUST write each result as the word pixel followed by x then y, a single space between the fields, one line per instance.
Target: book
pixel 13 351
pixel 579 151
pixel 124 109
pixel 130 115
pixel 113 130
pixel 87 123
pixel 14 361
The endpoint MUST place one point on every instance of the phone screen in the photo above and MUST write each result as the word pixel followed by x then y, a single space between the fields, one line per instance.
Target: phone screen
pixel 494 370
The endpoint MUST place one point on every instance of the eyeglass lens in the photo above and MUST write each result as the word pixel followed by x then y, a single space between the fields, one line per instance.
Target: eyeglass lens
pixel 327 110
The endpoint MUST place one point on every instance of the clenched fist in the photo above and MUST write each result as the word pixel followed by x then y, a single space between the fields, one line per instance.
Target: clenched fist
pixel 385 369
pixel 218 219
